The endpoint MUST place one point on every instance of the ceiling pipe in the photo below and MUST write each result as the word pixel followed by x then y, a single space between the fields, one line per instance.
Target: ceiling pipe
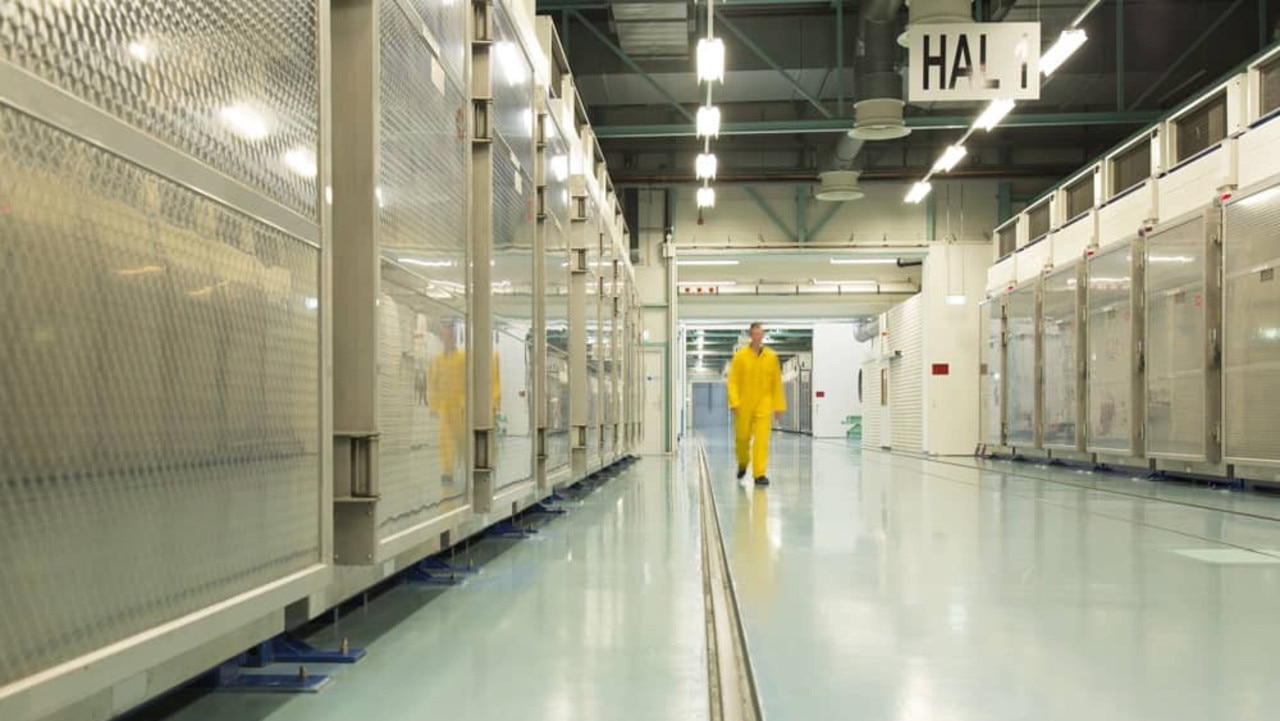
pixel 866 331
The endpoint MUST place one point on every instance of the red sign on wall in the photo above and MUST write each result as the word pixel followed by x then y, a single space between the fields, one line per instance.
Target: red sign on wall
pixel 942 369
pixel 820 394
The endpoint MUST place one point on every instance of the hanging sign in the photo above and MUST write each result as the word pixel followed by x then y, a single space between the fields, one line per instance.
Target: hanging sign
pixel 974 61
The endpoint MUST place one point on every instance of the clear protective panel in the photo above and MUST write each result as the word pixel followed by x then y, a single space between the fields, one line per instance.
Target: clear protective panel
pixel 422 193
pixel 991 365
pixel 1020 365
pixel 444 21
pixel 556 298
pixel 1060 347
pixel 1251 330
pixel 514 227
pixel 159 405
pixel 1176 337
pixel 1111 365
pixel 234 84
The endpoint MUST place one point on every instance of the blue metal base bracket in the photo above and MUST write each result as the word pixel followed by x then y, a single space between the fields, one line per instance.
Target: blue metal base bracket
pixel 1157 476
pixel 286 649
pixel 546 508
pixel 301 682
pixel 434 572
pixel 507 529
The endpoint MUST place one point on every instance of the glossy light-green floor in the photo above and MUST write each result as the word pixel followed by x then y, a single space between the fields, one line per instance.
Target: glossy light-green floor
pixel 889 588
pixel 872 587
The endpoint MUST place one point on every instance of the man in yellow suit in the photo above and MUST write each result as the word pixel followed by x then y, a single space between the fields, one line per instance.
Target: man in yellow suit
pixel 756 398
pixel 447 396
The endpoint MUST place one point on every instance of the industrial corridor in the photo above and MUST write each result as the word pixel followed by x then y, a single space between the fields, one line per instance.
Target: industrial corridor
pixel 870 586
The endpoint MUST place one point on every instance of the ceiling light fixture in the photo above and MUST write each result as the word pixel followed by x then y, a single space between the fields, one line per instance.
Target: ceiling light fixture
pixel 1068 42
pixel 706 197
pixel 994 113
pixel 708 122
pixel 864 261
pixel 705 166
pixel 919 191
pixel 950 158
pixel 707 262
pixel 711 60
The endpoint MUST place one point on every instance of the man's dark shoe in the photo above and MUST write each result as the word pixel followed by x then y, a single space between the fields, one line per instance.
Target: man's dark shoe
pixel 762 481
pixel 742 473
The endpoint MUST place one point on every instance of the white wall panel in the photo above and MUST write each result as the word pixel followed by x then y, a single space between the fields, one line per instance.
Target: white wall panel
pixel 1195 183
pixel 1072 239
pixel 872 415
pixel 1258 150
pixel 1124 215
pixel 1033 259
pixel 906 375
pixel 837 357
pixel 1002 275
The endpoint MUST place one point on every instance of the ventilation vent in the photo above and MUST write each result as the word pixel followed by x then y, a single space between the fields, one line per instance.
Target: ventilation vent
pixel 838 185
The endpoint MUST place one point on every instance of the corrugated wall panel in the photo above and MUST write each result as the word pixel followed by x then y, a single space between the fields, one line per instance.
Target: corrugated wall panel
pixel 1177 334
pixel 1021 395
pixel 991 365
pixel 871 409
pixel 1060 349
pixel 906 375
pixel 1251 330
pixel 1113 410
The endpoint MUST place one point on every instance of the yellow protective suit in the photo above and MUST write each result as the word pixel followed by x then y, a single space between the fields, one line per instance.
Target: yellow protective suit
pixel 755 394
pixel 447 393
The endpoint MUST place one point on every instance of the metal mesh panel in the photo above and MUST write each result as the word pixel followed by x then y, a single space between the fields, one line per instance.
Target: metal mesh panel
pixel 513 117
pixel 1201 128
pixel 422 187
pixel 422 382
pixel 159 406
pixel 1020 365
pixel 991 362
pixel 1269 80
pixel 164 70
pixel 1060 347
pixel 1007 240
pixel 514 411
pixel 421 405
pixel 446 23
pixel 1251 331
pixel 557 408
pixel 1080 196
pixel 1038 221
pixel 1111 368
pixel 1175 343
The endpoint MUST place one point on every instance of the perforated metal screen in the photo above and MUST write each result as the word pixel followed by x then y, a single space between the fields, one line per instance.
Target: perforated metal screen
pixel 1020 366
pixel 422 194
pixel 163 68
pixel 1251 330
pixel 160 399
pixel 1060 346
pixel 1112 413
pixel 1176 341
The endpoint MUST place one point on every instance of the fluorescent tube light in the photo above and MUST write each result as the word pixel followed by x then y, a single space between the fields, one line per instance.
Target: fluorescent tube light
pixel 711 60
pixel 1068 42
pixel 950 158
pixel 994 113
pixel 919 191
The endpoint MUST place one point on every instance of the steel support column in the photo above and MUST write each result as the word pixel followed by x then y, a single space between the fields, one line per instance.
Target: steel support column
pixel 802 208
pixel 772 216
pixel 840 56
pixel 919 122
pixel 760 53
pixel 632 65
pixel 1119 55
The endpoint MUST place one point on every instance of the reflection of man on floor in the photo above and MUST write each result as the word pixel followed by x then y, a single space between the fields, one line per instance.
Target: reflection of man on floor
pixel 751 534
pixel 447 394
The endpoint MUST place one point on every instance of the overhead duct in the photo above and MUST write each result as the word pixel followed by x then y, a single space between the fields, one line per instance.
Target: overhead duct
pixel 878 108
pixel 929 12
pixel 838 185
pixel 867 331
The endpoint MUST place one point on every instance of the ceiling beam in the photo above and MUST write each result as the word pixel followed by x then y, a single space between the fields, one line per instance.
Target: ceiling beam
pixel 760 53
pixel 626 59
pixel 917 122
